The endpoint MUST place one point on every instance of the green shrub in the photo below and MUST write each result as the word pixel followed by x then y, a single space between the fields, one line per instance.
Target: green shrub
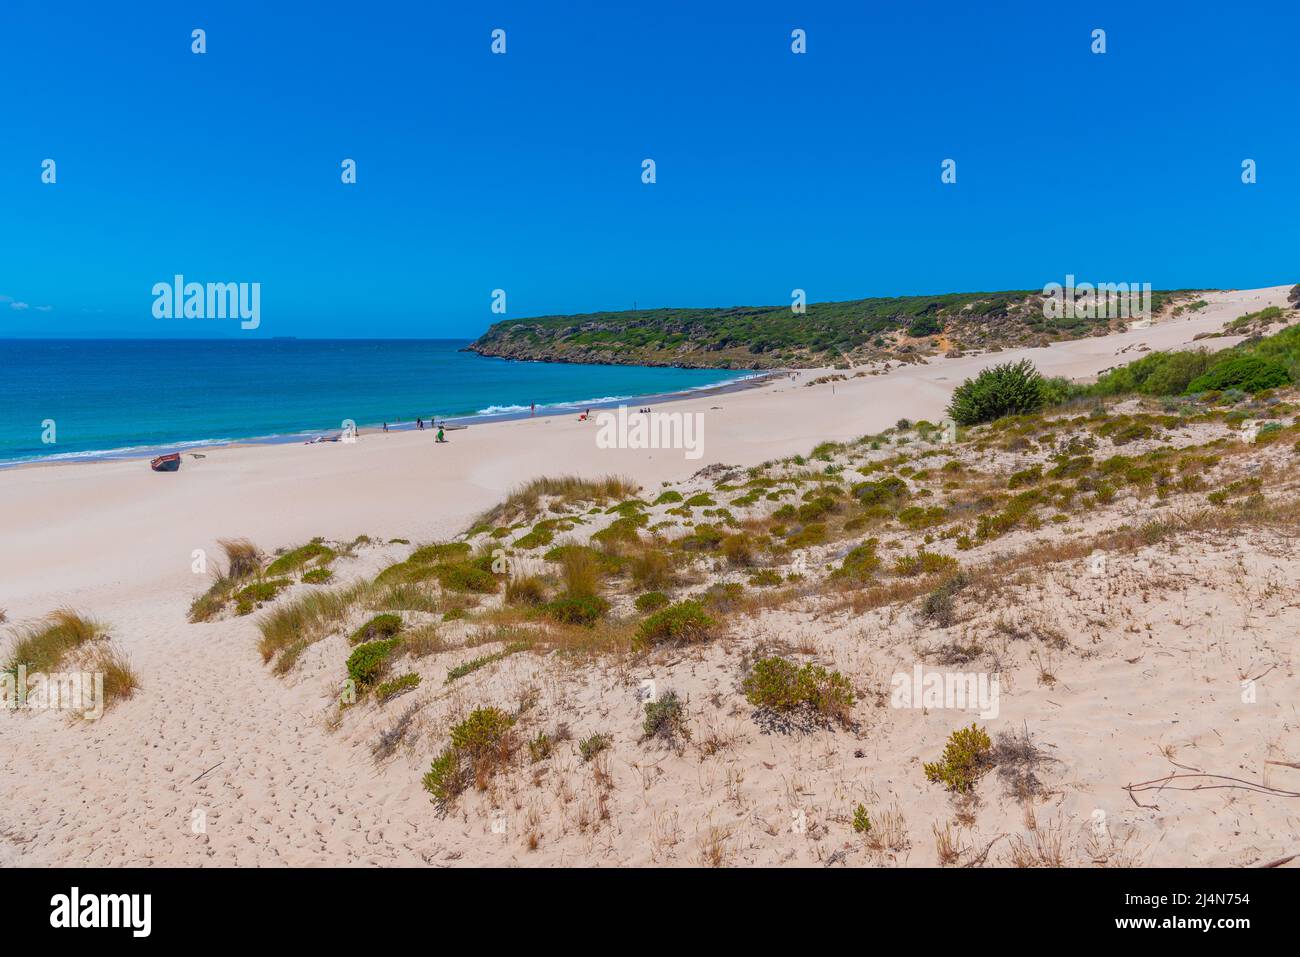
pixel 651 601
pixel 1013 388
pixel 923 563
pixel 667 497
pixel 479 745
pixel 445 778
pixel 813 534
pixel 1029 476
pixel 578 609
pixel 938 606
pixel 542 534
pixel 684 621
pixel 665 718
pixel 967 755
pixel 366 662
pixel 861 563
pixel 765 578
pixel 1249 373
pixel 483 732
pixel 887 491
pixel 700 499
pixel 317 576
pixel 783 686
pixel 465 576
pixel 861 822
pixel 381 626
pixel 593 745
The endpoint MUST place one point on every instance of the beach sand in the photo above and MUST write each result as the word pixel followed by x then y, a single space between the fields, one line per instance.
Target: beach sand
pixel 213 731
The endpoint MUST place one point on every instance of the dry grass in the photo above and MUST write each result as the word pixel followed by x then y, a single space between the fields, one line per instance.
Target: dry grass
pixel 525 501
pixel 242 557
pixel 120 679
pixel 889 831
pixel 580 572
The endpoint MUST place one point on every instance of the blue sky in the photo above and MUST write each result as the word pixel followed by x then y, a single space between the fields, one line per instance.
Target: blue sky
pixel 523 171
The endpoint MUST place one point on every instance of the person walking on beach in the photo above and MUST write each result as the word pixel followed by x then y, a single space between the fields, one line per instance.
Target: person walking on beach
pixel 532 409
pixel 440 435
pixel 419 424
pixel 385 426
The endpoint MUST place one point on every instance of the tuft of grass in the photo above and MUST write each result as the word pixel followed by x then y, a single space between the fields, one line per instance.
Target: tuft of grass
pixel 398 686
pixel 41 647
pixel 469 667
pixel 120 679
pixel 289 629
pixel 526 590
pixel 242 557
pixel 580 571
pixel 651 568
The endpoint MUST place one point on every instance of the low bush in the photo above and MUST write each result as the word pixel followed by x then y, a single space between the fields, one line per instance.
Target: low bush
pixel 367 661
pixel 377 628
pixel 967 755
pixel 651 601
pixel 782 686
pixel 684 621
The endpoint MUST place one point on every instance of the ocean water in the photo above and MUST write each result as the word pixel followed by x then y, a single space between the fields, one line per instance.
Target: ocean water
pixel 111 398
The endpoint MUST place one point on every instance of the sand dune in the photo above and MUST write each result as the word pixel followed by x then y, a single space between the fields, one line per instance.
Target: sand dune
pixel 214 735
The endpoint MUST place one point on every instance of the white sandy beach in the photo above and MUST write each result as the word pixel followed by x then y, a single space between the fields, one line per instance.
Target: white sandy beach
pixel 115 540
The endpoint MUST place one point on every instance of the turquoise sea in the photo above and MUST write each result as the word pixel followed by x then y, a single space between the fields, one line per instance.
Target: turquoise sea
pixel 113 398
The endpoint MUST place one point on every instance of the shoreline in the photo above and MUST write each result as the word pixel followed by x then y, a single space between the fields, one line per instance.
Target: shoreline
pixel 190 446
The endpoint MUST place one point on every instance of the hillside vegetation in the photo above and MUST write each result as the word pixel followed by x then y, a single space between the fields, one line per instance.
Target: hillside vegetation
pixel 766 337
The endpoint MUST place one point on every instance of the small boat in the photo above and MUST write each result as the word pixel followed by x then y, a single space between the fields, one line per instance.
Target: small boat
pixel 166 463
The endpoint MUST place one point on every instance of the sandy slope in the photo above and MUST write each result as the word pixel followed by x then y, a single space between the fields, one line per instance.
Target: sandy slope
pixel 115 540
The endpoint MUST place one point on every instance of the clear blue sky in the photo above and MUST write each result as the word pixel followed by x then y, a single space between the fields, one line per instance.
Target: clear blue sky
pixel 523 171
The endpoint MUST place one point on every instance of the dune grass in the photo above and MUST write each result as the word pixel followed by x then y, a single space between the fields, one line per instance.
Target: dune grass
pixel 525 501
pixel 43 646
pixel 120 679
pixel 243 562
pixel 289 629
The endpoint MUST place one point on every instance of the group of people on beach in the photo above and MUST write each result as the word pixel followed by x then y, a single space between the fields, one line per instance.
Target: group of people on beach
pixel 419 424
